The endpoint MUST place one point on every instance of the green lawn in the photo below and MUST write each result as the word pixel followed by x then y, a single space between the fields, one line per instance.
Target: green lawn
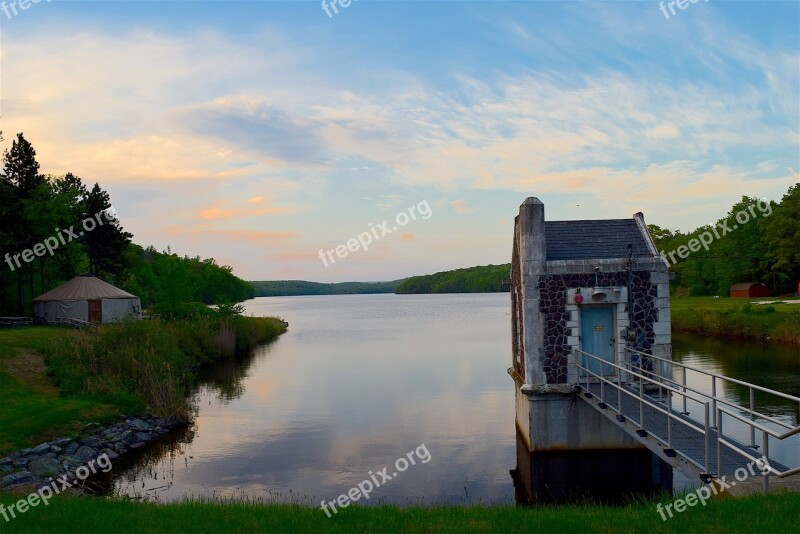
pixel 737 318
pixel 31 410
pixel 727 303
pixel 758 514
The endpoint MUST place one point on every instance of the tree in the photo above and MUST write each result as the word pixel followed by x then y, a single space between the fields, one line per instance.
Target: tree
pixel 21 167
pixel 22 179
pixel 782 235
pixel 106 241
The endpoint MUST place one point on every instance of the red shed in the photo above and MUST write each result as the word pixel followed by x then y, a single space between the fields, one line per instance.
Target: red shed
pixel 750 290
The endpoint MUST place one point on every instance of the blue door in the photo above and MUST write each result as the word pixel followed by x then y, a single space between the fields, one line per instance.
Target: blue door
pixel 597 338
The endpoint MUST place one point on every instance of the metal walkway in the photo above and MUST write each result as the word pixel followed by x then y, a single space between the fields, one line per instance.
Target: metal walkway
pixel 643 399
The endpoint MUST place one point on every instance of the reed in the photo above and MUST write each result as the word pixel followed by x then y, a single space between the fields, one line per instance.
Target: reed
pixel 152 365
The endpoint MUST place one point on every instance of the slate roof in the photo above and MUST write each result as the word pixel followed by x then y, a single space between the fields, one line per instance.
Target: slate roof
pixel 600 239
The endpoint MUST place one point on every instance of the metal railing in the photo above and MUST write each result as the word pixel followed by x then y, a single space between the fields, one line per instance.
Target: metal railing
pixel 625 379
pixel 716 398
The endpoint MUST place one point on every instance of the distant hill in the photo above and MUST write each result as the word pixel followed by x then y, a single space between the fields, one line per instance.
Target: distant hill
pixel 484 279
pixel 291 288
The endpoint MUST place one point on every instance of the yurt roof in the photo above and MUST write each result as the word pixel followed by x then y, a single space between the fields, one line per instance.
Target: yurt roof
pixel 84 287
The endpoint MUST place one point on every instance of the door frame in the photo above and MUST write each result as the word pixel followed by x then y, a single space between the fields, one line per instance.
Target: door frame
pixel 612 311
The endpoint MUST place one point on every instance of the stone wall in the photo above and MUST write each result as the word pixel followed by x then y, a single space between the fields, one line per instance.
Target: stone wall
pixel 560 323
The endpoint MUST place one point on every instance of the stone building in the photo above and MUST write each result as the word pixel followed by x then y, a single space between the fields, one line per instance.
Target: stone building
pixel 598 286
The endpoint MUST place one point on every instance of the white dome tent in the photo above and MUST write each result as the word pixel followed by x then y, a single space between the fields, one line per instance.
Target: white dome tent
pixel 87 299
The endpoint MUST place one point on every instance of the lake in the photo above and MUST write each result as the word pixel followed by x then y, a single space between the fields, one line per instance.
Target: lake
pixel 359 381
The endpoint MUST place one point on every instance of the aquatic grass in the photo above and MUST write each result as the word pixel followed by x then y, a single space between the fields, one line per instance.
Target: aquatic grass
pixel 152 365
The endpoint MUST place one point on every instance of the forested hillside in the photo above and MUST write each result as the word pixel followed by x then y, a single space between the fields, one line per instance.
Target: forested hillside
pixel 755 241
pixel 282 288
pixel 485 279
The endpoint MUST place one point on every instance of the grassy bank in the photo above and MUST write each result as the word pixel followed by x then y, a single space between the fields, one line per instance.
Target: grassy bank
pixel 31 408
pixel 737 318
pixel 773 513
pixel 54 380
pixel 152 365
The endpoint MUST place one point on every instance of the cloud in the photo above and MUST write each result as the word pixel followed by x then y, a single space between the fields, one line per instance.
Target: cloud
pixel 294 257
pixel 250 125
pixel 460 206
pixel 218 213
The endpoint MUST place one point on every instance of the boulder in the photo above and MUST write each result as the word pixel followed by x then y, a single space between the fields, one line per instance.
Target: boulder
pixel 45 467
pixel 39 449
pixel 125 436
pixel 138 424
pixel 92 441
pixel 84 454
pixel 16 478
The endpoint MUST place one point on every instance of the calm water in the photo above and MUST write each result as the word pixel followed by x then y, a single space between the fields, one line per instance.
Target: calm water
pixel 361 380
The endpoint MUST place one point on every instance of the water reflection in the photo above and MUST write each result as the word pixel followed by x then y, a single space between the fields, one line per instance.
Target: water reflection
pixel 360 380
pixel 771 366
pixel 357 382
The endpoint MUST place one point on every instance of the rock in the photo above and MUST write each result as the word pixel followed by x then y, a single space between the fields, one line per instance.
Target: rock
pixel 137 445
pixel 143 436
pixel 71 448
pixel 63 442
pixel 7 461
pixel 22 463
pixel 16 478
pixel 84 454
pixel 70 464
pixel 27 452
pixel 124 436
pixel 39 449
pixel 6 469
pixel 45 467
pixel 111 454
pixel 55 448
pixel 48 456
pixel 92 441
pixel 138 424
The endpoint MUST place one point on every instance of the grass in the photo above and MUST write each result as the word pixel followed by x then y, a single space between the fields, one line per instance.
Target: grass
pixel 31 409
pixel 758 513
pixel 737 318
pixel 153 365
pixel 727 303
pixel 54 380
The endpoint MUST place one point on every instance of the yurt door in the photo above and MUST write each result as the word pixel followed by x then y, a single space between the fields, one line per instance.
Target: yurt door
pixel 95 311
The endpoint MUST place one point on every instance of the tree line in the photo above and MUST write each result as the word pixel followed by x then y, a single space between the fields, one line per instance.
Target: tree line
pixel 53 228
pixel 764 248
pixel 284 288
pixel 756 241
pixel 484 279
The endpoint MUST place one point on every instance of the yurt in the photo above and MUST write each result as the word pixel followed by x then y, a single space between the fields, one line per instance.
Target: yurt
pixel 86 298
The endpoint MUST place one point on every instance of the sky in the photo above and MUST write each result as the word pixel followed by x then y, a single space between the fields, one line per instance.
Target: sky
pixel 264 133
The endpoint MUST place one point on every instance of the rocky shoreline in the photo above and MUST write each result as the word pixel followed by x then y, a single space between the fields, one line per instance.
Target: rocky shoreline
pixel 36 466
